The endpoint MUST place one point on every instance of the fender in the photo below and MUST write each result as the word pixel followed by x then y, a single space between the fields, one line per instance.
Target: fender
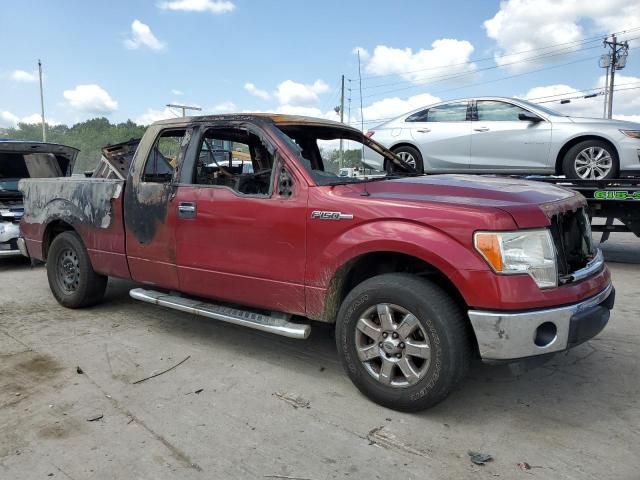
pixel 431 245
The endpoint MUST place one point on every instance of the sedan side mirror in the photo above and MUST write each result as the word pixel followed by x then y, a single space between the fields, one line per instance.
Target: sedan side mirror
pixel 529 117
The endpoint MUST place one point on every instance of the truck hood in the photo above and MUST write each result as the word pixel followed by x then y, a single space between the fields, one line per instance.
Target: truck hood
pixel 530 203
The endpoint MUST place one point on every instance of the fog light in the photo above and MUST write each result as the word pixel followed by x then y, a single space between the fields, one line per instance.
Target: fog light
pixel 546 334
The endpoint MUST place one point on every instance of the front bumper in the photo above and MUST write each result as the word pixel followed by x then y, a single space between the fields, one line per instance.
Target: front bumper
pixel 512 336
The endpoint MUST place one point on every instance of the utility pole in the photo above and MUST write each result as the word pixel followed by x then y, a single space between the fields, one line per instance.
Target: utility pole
pixel 619 51
pixel 341 119
pixel 44 128
pixel 605 62
pixel 183 107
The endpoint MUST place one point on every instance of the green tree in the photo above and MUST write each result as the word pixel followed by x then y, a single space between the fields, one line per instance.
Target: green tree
pixel 88 136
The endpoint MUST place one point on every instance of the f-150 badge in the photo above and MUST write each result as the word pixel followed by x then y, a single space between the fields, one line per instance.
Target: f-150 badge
pixel 320 215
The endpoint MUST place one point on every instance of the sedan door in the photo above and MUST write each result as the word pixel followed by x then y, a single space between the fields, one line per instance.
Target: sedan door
pixel 500 141
pixel 443 136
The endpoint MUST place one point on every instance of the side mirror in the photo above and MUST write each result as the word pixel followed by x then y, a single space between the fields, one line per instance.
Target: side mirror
pixel 529 117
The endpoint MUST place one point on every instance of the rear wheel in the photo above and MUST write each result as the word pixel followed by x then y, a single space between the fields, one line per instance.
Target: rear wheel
pixel 72 280
pixel 403 341
pixel 591 160
pixel 411 156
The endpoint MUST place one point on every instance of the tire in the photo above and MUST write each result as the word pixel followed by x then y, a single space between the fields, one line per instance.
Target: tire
pixel 576 163
pixel 414 157
pixel 72 280
pixel 441 324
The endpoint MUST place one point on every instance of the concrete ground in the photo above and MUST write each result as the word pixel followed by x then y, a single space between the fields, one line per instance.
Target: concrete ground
pixel 249 405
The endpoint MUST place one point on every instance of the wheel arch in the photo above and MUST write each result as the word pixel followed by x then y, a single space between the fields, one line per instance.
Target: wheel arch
pixel 53 229
pixel 370 264
pixel 581 138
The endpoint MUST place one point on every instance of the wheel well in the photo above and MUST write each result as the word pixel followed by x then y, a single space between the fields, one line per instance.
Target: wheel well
pixel 54 229
pixel 574 141
pixel 369 265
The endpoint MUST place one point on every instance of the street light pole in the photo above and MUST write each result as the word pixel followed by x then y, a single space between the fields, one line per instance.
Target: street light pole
pixel 44 127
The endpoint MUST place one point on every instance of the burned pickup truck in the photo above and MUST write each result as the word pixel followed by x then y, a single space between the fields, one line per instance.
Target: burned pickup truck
pixel 21 159
pixel 245 219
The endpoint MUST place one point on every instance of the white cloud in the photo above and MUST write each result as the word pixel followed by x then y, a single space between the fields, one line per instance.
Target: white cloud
pixel 8 119
pixel 446 55
pixel 364 53
pixel 256 92
pixel 626 103
pixel 300 94
pixel 177 92
pixel 307 111
pixel 152 115
pixel 23 76
pixel 389 108
pixel 142 36
pixel 91 99
pixel 224 107
pixel 522 25
pixel 212 6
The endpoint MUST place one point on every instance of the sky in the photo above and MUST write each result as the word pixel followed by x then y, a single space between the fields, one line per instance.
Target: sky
pixel 128 59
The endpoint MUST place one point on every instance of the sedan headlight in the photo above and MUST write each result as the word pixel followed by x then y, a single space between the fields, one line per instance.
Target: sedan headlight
pixel 631 133
pixel 526 251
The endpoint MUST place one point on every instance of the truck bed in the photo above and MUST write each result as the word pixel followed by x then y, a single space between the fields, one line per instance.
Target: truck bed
pixel 92 206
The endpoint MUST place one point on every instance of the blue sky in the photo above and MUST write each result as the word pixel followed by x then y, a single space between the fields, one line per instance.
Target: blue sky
pixel 127 59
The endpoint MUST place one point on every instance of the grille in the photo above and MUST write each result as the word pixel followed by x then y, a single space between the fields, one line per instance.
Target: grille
pixel 571 233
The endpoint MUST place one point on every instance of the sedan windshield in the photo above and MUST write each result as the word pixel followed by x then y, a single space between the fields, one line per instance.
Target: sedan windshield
pixel 333 155
pixel 546 110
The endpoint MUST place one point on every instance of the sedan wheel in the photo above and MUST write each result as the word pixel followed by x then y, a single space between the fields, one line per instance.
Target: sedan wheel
pixel 593 163
pixel 407 158
pixel 591 160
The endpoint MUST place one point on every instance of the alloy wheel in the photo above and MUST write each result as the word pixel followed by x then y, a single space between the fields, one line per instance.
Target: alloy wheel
pixel 407 158
pixel 593 163
pixel 392 345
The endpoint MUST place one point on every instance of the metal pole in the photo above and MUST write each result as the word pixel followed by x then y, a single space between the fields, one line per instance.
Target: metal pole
pixel 44 128
pixel 606 94
pixel 341 121
pixel 614 60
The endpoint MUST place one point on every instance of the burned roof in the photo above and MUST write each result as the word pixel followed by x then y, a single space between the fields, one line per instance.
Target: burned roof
pixel 276 118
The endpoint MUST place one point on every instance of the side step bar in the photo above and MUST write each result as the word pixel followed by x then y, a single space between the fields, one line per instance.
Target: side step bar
pixel 277 323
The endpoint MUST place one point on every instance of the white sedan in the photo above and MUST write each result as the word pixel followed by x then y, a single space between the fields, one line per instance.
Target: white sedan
pixel 511 136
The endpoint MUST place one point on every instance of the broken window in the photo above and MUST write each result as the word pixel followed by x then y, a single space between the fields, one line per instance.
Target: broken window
pixel 234 158
pixel 163 157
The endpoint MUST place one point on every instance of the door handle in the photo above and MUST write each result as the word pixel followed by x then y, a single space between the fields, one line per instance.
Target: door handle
pixel 424 130
pixel 482 129
pixel 186 210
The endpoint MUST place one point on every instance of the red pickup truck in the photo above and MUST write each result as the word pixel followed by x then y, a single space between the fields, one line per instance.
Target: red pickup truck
pixel 246 219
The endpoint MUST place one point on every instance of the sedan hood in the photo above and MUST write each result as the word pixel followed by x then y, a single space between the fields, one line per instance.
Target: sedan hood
pixel 611 123
pixel 530 203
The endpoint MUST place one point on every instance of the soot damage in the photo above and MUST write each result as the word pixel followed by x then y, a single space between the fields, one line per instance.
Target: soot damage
pixel 82 200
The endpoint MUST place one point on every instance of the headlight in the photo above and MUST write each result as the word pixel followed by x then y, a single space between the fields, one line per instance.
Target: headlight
pixel 631 133
pixel 527 251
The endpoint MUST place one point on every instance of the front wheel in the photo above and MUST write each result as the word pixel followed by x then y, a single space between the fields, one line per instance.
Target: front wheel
pixel 591 160
pixel 403 341
pixel 72 280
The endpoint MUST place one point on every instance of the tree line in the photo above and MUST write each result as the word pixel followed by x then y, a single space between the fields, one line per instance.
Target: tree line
pixel 89 137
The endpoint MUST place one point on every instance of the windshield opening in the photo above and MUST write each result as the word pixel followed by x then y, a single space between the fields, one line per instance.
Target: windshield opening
pixel 333 155
pixel 546 110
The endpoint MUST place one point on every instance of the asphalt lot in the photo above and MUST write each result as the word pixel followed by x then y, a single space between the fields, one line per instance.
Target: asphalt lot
pixel 271 407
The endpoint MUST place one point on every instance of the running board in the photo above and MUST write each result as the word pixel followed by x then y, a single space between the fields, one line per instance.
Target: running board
pixel 277 323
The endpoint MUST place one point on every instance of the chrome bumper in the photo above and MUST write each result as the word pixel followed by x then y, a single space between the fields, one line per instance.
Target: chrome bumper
pixel 511 336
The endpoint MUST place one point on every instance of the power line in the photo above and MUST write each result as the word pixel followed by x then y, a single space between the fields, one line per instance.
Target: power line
pixel 471 72
pixel 478 60
pixel 439 79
